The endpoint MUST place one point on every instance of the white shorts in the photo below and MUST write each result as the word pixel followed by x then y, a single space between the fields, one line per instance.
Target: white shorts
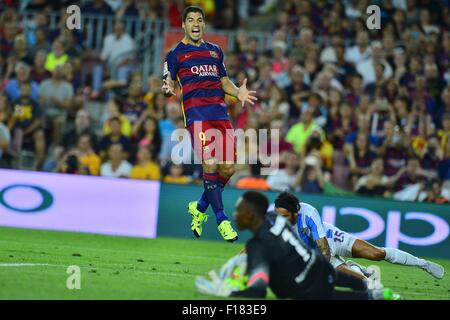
pixel 342 242
pixel 336 261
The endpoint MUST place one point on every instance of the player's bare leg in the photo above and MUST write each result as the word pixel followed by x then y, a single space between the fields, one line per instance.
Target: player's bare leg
pixel 226 171
pixel 365 250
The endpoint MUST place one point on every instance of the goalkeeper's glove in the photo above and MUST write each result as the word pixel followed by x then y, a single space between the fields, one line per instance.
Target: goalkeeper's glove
pixel 215 287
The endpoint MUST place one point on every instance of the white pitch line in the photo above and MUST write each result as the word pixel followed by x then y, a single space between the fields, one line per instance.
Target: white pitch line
pixel 27 265
pixel 167 274
pixel 426 294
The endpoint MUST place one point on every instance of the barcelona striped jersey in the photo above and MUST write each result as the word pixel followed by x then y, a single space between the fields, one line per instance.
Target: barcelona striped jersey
pixel 198 71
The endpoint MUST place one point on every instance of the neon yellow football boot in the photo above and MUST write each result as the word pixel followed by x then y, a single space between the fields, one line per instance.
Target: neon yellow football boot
pixel 198 218
pixel 227 231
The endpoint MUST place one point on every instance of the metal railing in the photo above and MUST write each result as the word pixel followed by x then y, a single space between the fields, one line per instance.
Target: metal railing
pixel 148 36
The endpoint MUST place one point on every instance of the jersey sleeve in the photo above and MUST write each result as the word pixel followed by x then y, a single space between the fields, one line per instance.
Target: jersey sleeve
pixel 257 271
pixel 222 68
pixel 170 65
pixel 314 223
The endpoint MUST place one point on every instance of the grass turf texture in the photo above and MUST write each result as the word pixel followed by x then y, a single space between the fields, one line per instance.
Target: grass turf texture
pixel 130 268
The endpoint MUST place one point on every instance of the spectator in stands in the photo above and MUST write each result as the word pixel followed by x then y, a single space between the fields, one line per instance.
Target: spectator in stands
pixel 395 150
pixel 176 175
pixel 408 78
pixel 157 110
pixel 97 7
pixel 431 156
pixel 314 103
pixel 69 163
pixel 117 52
pixel 146 168
pixel 38 72
pixel 371 68
pixel 361 51
pixel 264 80
pixel 444 133
pixel 21 50
pixel 317 145
pixel 413 174
pixel 56 57
pixel 285 179
pixel 116 167
pixel 276 107
pixel 249 55
pixel 310 176
pixel 304 45
pixel 375 183
pixel 25 124
pixel 280 64
pixel 22 75
pixel 299 133
pixel 166 127
pixel 146 132
pixel 71 75
pixel 42 43
pixel 55 96
pixel 154 98
pixel 356 90
pixel 359 157
pixel 134 105
pixel 444 164
pixel 114 137
pixel 86 155
pixel 83 126
pixel 296 91
pixel 435 192
pixel 112 110
pixel 7 37
pixel 175 9
pixel 341 126
pixel 5 134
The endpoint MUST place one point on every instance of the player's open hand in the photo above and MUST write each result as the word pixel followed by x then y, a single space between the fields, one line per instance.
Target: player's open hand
pixel 244 95
pixel 167 89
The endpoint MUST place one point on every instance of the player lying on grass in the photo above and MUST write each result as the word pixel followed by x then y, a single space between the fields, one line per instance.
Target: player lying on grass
pixel 277 258
pixel 339 243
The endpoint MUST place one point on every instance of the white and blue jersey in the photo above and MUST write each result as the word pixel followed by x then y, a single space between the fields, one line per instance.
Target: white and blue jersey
pixel 311 228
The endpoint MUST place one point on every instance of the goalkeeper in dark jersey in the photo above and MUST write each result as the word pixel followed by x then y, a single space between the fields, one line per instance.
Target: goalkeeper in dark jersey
pixel 277 258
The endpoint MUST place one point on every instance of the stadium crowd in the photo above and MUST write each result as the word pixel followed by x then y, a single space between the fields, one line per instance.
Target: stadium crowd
pixel 359 110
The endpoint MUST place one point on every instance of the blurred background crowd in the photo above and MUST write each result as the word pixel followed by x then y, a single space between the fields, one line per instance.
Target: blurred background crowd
pixel 359 111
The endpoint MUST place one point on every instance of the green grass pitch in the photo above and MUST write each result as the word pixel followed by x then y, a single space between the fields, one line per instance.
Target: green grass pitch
pixel 33 265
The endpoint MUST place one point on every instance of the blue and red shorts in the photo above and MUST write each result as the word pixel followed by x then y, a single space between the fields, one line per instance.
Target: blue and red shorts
pixel 213 139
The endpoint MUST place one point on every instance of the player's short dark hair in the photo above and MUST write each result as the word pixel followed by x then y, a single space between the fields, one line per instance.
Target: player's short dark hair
pixel 257 201
pixel 189 9
pixel 287 201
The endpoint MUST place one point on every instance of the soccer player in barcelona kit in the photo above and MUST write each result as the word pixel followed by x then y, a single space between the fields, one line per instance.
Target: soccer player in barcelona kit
pixel 198 68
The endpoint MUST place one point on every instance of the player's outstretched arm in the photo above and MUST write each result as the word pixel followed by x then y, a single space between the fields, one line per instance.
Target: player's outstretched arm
pixel 242 93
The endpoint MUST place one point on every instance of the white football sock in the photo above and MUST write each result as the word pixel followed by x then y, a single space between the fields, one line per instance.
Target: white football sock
pixel 401 257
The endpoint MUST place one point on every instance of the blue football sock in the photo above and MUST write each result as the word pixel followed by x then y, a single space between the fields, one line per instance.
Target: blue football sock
pixel 203 203
pixel 213 193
